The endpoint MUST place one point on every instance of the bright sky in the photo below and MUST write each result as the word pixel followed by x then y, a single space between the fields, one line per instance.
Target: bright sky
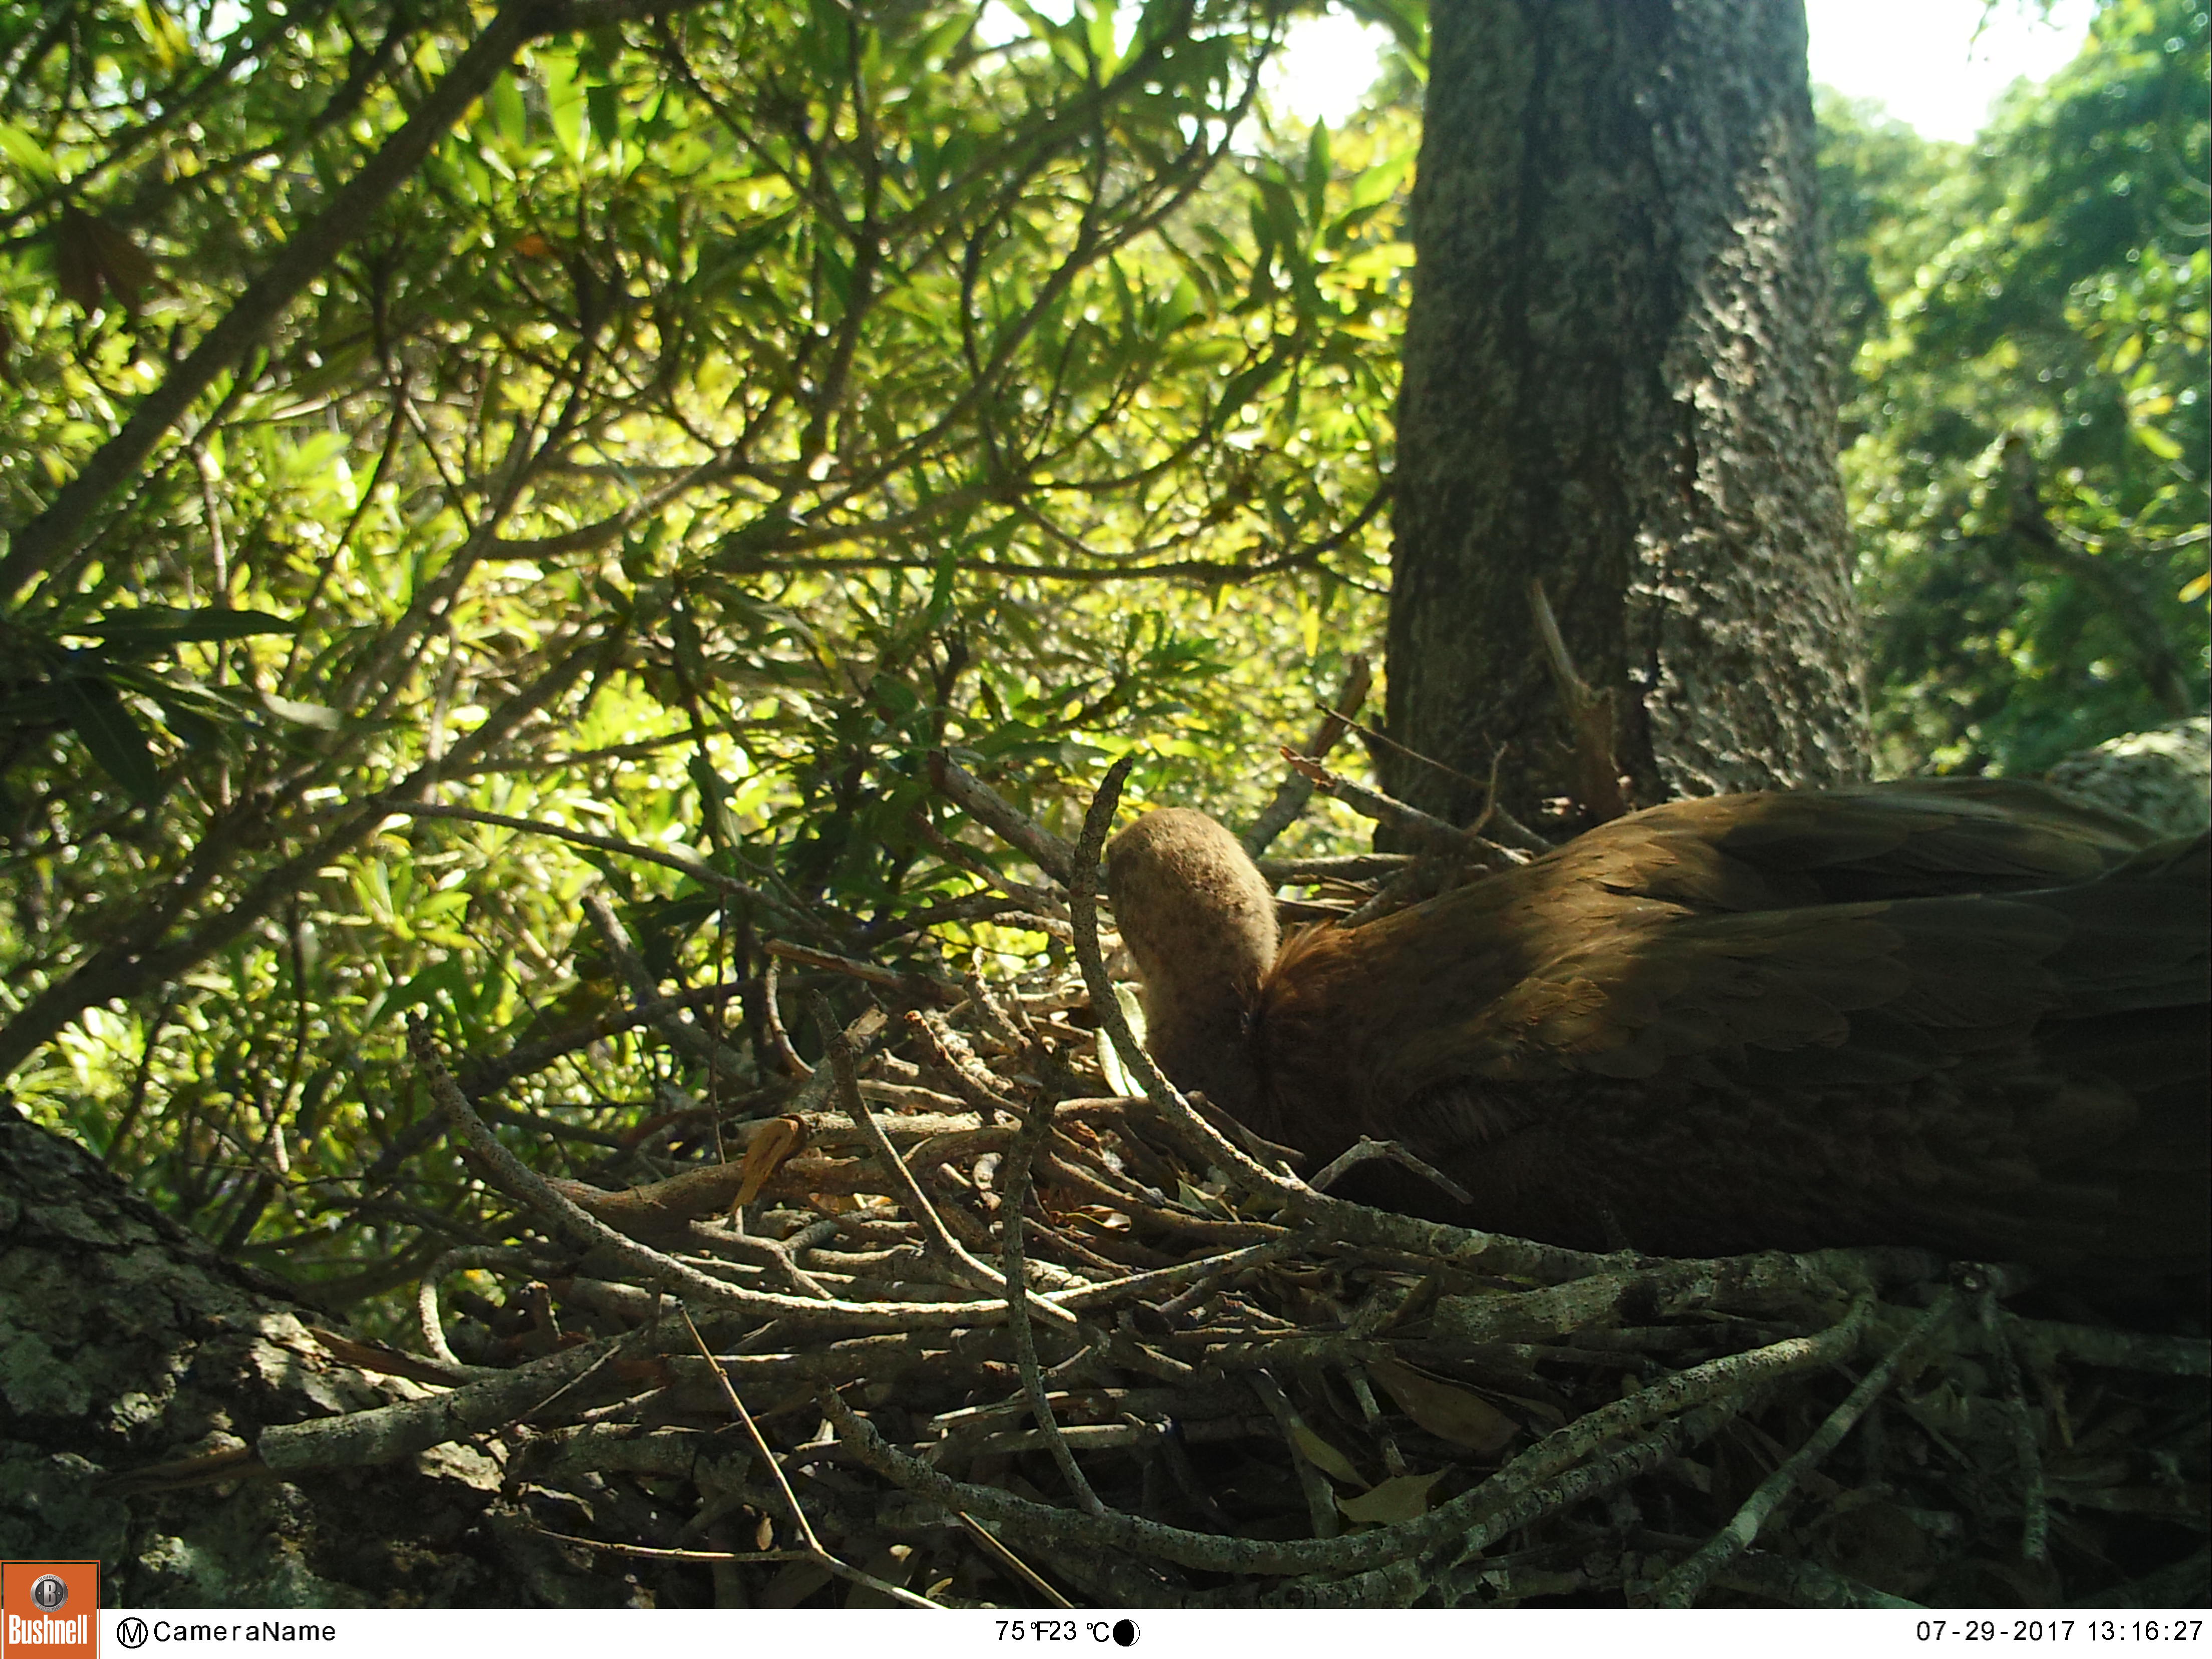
pixel 1918 57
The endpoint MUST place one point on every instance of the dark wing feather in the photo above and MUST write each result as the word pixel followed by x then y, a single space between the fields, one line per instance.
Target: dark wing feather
pixel 1674 1030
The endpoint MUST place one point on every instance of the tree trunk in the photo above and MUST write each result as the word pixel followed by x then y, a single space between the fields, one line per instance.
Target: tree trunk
pixel 126 1343
pixel 1616 380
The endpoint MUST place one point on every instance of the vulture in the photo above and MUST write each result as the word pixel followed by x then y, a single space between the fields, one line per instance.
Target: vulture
pixel 1965 1015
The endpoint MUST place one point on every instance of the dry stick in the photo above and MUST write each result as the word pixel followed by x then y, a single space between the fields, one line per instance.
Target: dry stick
pixel 1683 1585
pixel 937 1240
pixel 1006 1559
pixel 1434 835
pixel 426 1295
pixel 1544 1478
pixel 814 1549
pixel 385 1434
pixel 776 1251
pixel 921 986
pixel 1295 790
pixel 1015 1174
pixel 986 805
pixel 1798 1583
pixel 2046 1339
pixel 778 1038
pixel 524 1058
pixel 485 1077
pixel 971 1081
pixel 1510 829
pixel 1589 714
pixel 392 1362
pixel 682 1035
pixel 952 851
pixel 1008 1025
pixel 517 1179
pixel 2035 1517
pixel 660 1553
pixel 1320 1496
pixel 1370 1149
pixel 1370 1412
pixel 1185 1277
pixel 1345 866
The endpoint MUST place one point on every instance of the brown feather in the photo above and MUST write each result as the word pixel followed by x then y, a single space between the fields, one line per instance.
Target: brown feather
pixel 1965 1016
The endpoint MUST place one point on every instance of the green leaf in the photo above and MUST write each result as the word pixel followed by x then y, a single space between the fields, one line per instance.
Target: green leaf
pixel 154 625
pixel 1401 1497
pixel 27 153
pixel 442 978
pixel 503 103
pixel 110 734
pixel 2157 442
pixel 302 713
pixel 1326 1457
pixel 564 101
pixel 1317 174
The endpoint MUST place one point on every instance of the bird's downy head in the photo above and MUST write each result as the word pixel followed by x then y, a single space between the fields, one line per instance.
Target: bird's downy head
pixel 1200 920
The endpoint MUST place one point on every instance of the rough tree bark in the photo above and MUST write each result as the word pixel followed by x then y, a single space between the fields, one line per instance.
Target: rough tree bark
pixel 126 1343
pixel 1616 380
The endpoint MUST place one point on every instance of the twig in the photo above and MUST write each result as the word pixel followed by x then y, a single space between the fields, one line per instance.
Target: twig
pixel 937 1239
pixel 2046 1339
pixel 1682 1586
pixel 1016 1174
pixel 1295 790
pixel 953 1057
pixel 1370 1149
pixel 707 1050
pixel 1320 1496
pixel 1510 829
pixel 772 1016
pixel 814 1550
pixel 1432 833
pixel 426 1294
pixel 1541 1479
pixel 921 987
pixel 1589 715
pixel 952 851
pixel 1006 1559
pixel 652 1266
pixel 2035 1507
pixel 987 807
pixel 386 1433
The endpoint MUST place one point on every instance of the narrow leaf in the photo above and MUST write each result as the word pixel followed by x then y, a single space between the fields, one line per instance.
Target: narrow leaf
pixel 111 735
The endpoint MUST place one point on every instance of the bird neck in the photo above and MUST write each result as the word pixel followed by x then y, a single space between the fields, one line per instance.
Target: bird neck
pixel 1199 1028
pixel 1199 922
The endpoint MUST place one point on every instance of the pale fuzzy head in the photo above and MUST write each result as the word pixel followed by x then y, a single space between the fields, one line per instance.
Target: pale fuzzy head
pixel 1200 920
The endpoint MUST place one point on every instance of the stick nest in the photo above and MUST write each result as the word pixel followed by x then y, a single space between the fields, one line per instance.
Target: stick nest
pixel 800 1373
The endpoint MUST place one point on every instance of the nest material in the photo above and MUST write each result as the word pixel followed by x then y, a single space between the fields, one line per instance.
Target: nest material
pixel 749 1382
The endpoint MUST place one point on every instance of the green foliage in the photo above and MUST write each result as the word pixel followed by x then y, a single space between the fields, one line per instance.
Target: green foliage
pixel 732 407
pixel 736 405
pixel 2027 404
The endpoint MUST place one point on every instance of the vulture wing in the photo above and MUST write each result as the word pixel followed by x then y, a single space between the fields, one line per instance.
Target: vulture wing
pixel 1972 1017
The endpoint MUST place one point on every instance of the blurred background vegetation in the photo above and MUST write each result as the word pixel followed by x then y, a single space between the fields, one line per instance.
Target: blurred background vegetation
pixel 736 405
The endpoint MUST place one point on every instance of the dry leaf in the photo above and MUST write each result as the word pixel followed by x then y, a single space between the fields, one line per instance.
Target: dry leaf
pixel 1401 1497
pixel 772 1143
pixel 1324 1456
pixel 1445 1409
pixel 92 256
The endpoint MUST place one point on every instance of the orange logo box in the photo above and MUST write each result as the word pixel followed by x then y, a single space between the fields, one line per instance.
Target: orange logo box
pixel 49 1609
